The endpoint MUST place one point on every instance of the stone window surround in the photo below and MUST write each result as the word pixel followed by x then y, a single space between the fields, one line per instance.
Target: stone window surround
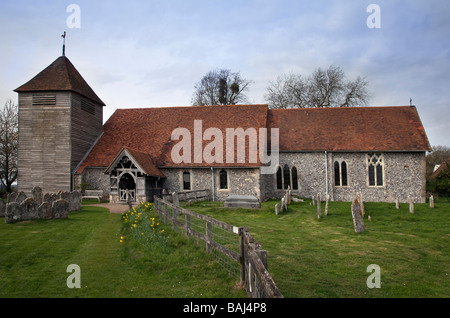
pixel 278 166
pixel 380 162
pixel 340 161
pixel 218 188
pixel 191 179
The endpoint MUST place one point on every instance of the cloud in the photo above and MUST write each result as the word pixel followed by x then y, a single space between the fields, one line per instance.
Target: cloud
pixel 151 53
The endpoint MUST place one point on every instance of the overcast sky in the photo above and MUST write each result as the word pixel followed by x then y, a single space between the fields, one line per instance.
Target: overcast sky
pixel 151 53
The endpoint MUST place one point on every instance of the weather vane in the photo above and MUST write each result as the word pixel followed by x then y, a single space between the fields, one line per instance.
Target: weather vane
pixel 64 44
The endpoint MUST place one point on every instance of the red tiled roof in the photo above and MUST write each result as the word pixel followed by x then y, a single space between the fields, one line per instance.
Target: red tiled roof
pixel 61 75
pixel 349 129
pixel 149 130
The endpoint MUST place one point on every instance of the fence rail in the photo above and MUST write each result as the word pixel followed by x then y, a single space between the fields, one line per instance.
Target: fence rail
pixel 235 243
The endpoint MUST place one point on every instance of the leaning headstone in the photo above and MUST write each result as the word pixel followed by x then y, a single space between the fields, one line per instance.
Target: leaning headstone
pixel 319 211
pixel 12 197
pixel 411 205
pixel 283 203
pixel 358 221
pixel 50 197
pixel 37 194
pixel 21 197
pixel 60 209
pixel 45 211
pixel 2 208
pixel 13 212
pixel 29 209
pixel 431 202
pixel 277 208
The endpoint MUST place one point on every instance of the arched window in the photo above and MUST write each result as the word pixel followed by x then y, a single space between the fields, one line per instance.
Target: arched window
pixel 279 177
pixel 186 180
pixel 340 174
pixel 294 178
pixel 375 167
pixel 286 176
pixel 344 173
pixel 337 174
pixel 223 184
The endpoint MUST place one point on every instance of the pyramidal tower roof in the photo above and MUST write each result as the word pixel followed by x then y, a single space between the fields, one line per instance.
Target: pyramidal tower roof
pixel 61 75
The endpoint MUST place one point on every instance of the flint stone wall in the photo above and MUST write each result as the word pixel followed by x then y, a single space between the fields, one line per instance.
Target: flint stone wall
pixel 403 175
pixel 48 206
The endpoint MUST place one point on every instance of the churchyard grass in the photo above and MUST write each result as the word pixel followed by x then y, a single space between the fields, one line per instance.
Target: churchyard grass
pixel 34 256
pixel 311 257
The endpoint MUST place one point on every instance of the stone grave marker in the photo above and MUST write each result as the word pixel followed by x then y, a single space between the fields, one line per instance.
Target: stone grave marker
pixel 358 221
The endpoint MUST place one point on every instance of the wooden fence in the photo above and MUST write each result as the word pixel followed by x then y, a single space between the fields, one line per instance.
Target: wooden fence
pixel 250 257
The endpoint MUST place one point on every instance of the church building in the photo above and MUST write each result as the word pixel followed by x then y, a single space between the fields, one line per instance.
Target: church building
pixel 376 151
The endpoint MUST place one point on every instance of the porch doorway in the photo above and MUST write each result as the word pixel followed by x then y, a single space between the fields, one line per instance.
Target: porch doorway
pixel 127 188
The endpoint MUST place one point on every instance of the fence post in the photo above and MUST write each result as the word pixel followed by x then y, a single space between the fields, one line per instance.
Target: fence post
pixel 241 255
pixel 174 220
pixel 208 235
pixel 165 213
pixel 188 226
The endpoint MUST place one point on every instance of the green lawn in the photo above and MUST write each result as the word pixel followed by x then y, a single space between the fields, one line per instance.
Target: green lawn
pixel 308 257
pixel 34 256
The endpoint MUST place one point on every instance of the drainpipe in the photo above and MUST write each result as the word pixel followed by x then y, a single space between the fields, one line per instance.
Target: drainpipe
pixel 326 174
pixel 212 183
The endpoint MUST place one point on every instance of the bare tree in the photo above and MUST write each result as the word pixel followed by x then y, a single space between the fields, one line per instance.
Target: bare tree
pixel 220 87
pixel 323 88
pixel 9 140
pixel 439 155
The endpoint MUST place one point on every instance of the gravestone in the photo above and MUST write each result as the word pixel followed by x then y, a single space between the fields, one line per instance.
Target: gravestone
pixel 13 212
pixel 29 209
pixel 397 206
pixel 277 208
pixel 326 204
pixel 2 208
pixel 431 202
pixel 60 209
pixel 37 194
pixel 21 197
pixel 319 211
pixel 242 201
pixel 50 197
pixel 45 211
pixel 12 197
pixel 175 199
pixel 411 205
pixel 313 203
pixel 74 199
pixel 358 221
